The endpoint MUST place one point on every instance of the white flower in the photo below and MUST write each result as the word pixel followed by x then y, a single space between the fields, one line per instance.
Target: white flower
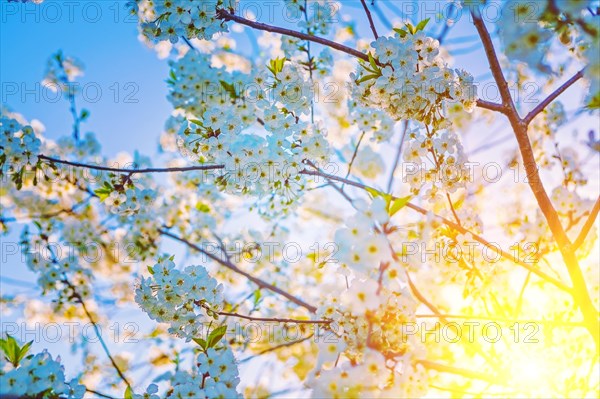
pixel 362 296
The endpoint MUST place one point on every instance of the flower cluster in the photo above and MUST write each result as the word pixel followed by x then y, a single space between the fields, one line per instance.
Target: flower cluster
pixel 127 194
pixel 435 162
pixel 409 80
pixel 183 299
pixel 373 352
pixel 57 271
pixel 372 120
pixel 172 19
pixel 39 376
pixel 361 249
pixel 19 147
pixel 525 39
pixel 265 164
pixel 214 376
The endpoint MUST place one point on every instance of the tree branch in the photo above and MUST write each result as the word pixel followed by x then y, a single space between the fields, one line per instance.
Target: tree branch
pixel 234 268
pixel 458 371
pixel 226 16
pixel 491 106
pixel 132 171
pixel 579 291
pixel 371 24
pixel 98 333
pixel 541 106
pixel 587 226
pixel 273 319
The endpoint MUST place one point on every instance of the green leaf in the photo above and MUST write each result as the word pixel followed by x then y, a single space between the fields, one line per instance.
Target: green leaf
pixel 150 270
pixel 229 88
pixel 411 29
pixel 257 297
pixel 398 204
pixel 367 77
pixel 276 65
pixel 128 393
pixel 373 62
pixel 200 342
pixel 12 351
pixel 215 336
pixel 374 193
pixel 422 24
pixel 401 32
pixel 84 114
pixel 103 192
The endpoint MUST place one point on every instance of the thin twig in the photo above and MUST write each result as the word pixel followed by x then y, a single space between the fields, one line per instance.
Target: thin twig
pixel 371 24
pixel 131 171
pixel 587 226
pixel 234 268
pixel 273 319
pixel 98 333
pixel 226 16
pixel 541 106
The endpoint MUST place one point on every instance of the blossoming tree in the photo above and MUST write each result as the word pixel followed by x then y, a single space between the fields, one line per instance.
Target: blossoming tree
pixel 417 284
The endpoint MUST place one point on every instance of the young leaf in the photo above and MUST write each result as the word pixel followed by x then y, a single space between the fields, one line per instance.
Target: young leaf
pixel 398 204
pixel 200 342
pixel 401 32
pixel 128 393
pixel 373 62
pixel 215 336
pixel 422 24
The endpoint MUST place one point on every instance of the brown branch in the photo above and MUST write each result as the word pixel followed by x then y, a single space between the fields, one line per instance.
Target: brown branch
pixel 508 105
pixel 370 17
pixel 273 319
pixel 277 347
pixel 580 291
pixel 77 296
pixel 131 171
pixel 234 268
pixel 541 106
pixel 587 226
pixel 491 106
pixel 226 16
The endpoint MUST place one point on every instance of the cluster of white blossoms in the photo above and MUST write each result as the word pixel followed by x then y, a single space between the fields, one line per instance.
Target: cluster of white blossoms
pixel 528 30
pixel 409 80
pixel 524 37
pixel 127 194
pixel 214 376
pixel 361 249
pixel 173 19
pixel 373 353
pixel 129 201
pixel 19 146
pixel 39 376
pixel 57 271
pixel 276 104
pixel 372 120
pixel 436 163
pixel 185 300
